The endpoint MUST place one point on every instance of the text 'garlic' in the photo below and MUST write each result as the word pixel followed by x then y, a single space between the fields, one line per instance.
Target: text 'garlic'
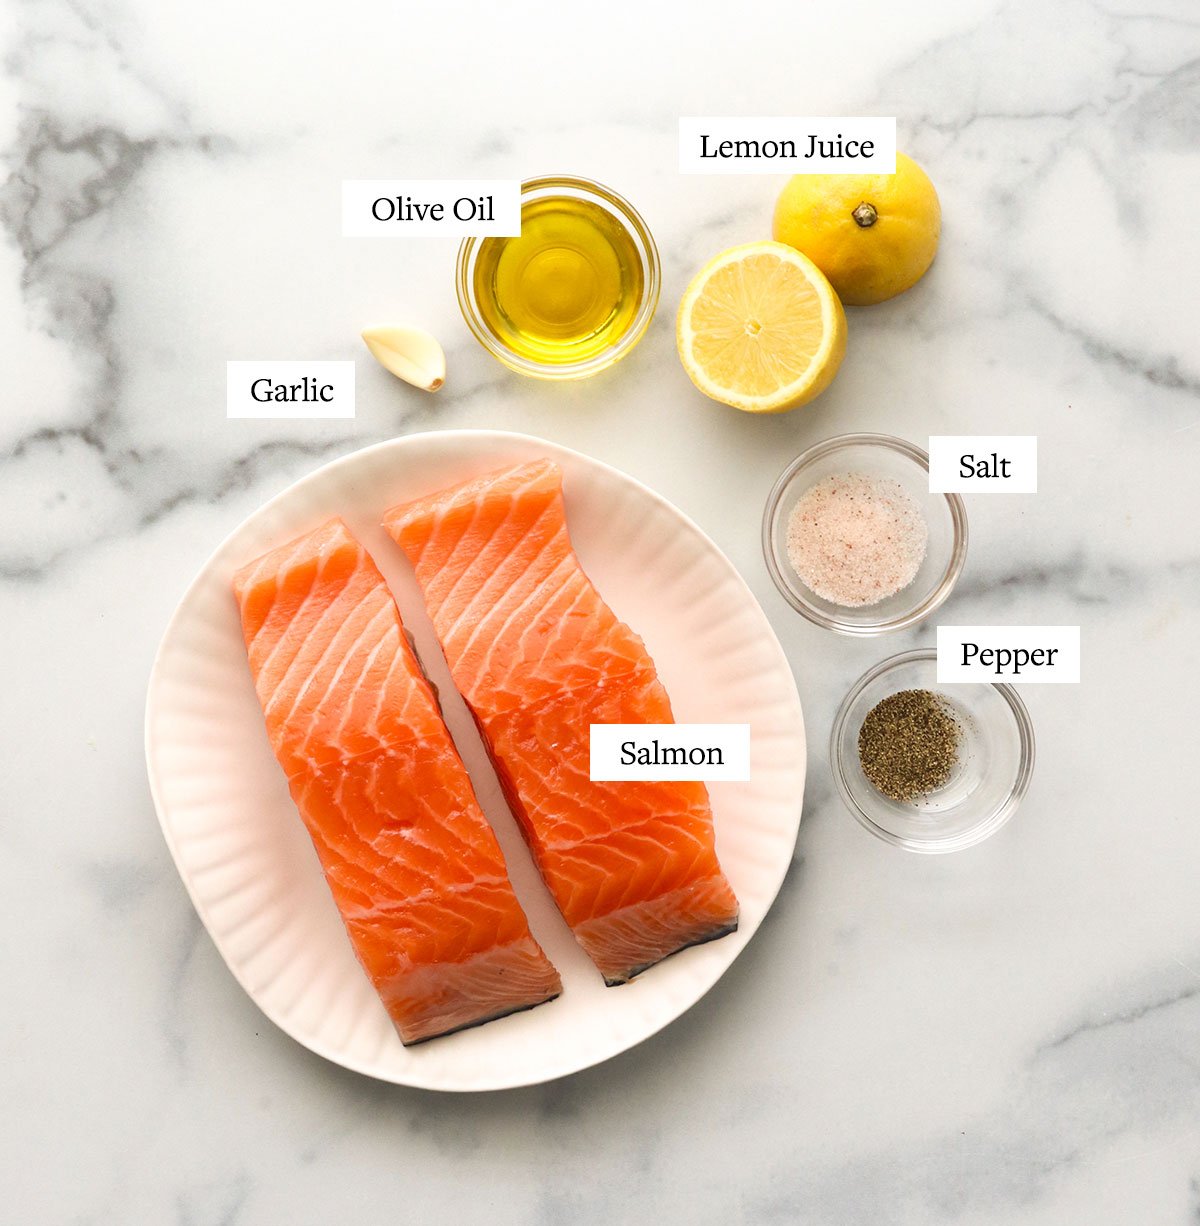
pixel 410 354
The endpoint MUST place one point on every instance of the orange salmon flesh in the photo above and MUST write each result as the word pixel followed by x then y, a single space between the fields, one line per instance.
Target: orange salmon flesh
pixel 539 657
pixel 412 863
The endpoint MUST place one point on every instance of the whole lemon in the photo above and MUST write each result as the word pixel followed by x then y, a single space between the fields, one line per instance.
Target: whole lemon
pixel 873 236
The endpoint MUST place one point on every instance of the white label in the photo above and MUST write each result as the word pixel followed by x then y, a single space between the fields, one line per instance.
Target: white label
pixel 439 208
pixel 983 463
pixel 734 145
pixel 705 752
pixel 290 390
pixel 1028 654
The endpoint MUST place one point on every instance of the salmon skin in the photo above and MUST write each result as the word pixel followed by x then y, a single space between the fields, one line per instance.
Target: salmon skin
pixel 414 867
pixel 539 657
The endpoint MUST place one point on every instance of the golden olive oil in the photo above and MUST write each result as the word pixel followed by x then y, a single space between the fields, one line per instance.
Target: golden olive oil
pixel 564 291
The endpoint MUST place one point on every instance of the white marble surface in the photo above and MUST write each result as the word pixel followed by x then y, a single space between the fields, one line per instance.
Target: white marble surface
pixel 1007 1036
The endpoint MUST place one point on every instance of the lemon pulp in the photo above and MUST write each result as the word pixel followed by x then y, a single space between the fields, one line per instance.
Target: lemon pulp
pixel 761 329
pixel 568 288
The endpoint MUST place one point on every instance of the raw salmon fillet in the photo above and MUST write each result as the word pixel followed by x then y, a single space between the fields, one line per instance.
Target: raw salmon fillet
pixel 414 867
pixel 539 657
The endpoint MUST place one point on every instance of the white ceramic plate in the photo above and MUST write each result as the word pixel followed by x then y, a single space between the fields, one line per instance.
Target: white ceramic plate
pixel 247 861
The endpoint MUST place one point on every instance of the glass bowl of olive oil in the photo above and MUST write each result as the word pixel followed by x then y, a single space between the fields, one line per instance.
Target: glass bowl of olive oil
pixel 573 293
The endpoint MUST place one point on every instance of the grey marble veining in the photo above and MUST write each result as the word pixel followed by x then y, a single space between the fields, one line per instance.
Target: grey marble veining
pixel 1007 1037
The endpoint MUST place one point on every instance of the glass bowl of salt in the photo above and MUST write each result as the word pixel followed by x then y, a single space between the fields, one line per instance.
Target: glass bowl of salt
pixel 855 541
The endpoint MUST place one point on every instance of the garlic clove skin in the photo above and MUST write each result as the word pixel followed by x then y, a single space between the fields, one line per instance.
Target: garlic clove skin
pixel 410 354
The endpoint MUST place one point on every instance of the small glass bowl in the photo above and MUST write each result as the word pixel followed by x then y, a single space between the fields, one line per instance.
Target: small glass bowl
pixel 629 219
pixel 873 455
pixel 994 766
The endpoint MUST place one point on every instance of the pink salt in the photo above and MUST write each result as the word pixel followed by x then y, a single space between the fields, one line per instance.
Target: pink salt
pixel 856 540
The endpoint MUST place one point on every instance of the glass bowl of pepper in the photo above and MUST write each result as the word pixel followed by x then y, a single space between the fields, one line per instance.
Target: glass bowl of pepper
pixel 926 767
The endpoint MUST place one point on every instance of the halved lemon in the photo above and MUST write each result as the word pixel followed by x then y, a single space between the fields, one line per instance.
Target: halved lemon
pixel 760 328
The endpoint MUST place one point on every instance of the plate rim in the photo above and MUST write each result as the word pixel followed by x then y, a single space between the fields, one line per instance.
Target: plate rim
pixel 323 1049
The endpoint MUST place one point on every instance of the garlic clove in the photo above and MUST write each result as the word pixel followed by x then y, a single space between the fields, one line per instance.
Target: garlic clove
pixel 410 354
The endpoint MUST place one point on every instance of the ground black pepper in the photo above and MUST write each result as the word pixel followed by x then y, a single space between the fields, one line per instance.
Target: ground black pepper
pixel 908 744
